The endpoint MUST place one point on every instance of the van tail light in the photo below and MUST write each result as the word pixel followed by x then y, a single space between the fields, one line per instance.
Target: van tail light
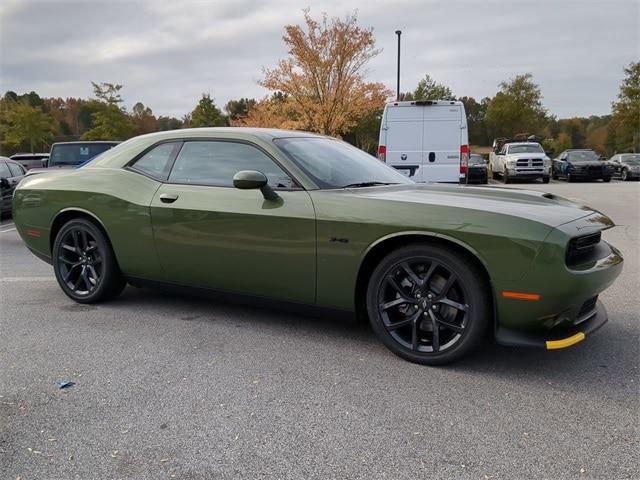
pixel 464 158
pixel 382 153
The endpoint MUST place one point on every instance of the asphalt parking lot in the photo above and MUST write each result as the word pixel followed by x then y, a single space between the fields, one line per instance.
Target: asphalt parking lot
pixel 177 387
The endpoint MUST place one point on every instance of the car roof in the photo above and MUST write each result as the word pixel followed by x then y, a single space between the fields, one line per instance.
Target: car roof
pixel 246 132
pixel 28 155
pixel 80 142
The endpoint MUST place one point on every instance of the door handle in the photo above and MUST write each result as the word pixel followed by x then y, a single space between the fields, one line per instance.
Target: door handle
pixel 432 157
pixel 168 197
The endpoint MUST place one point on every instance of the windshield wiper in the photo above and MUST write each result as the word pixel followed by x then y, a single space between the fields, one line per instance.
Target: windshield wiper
pixel 368 184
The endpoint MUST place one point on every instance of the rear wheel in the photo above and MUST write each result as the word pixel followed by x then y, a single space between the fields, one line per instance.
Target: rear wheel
pixel 84 263
pixel 606 179
pixel 427 304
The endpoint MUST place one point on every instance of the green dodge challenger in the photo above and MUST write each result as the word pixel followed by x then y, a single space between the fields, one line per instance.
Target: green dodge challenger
pixel 311 220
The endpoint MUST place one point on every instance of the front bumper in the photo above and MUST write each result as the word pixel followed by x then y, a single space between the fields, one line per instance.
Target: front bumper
pixel 527 172
pixel 554 339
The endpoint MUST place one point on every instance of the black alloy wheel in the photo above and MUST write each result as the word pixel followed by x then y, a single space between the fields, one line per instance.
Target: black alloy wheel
pixel 624 176
pixel 428 305
pixel 84 263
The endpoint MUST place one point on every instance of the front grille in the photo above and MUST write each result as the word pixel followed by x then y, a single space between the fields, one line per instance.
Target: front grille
pixel 587 310
pixel 529 162
pixel 579 248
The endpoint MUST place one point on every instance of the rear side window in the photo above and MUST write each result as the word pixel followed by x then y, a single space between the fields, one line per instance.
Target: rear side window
pixel 156 162
pixel 4 170
pixel 16 170
pixel 215 163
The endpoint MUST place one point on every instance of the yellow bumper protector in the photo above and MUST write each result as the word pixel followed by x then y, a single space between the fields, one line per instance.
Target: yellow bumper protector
pixel 565 342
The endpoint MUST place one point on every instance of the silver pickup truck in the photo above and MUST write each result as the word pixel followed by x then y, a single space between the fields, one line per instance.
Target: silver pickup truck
pixel 519 160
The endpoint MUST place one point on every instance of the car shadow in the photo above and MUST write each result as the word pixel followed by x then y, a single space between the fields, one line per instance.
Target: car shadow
pixel 605 363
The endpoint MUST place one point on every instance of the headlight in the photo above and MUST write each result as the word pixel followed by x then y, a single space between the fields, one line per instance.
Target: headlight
pixel 511 162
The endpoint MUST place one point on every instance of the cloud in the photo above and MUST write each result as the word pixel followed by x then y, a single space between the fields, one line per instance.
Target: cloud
pixel 167 53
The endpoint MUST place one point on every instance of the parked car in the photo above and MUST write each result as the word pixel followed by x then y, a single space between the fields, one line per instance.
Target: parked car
pixel 68 155
pixel 626 165
pixel 581 164
pixel 11 173
pixel 302 218
pixel 519 160
pixel 425 140
pixel 477 169
pixel 31 160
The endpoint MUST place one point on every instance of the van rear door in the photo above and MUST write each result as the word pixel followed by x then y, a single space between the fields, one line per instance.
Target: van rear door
pixel 442 137
pixel 403 125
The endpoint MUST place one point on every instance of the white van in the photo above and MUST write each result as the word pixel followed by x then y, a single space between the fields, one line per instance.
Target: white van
pixel 426 140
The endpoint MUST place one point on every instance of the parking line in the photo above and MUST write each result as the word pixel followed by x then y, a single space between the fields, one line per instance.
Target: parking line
pixel 8 230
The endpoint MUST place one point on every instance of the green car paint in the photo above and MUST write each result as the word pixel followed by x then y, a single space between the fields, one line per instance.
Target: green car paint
pixel 312 245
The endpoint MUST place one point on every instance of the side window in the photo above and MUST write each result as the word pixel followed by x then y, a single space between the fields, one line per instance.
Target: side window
pixel 4 170
pixel 216 162
pixel 155 162
pixel 16 170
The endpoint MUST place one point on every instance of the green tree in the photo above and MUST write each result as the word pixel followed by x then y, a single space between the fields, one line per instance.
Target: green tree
pixel 110 121
pixel 143 119
pixel 238 109
pixel 206 114
pixel 624 129
pixel 168 123
pixel 25 126
pixel 429 89
pixel 476 111
pixel 517 108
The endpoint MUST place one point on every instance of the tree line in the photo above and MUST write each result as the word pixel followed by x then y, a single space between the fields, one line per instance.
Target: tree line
pixel 322 87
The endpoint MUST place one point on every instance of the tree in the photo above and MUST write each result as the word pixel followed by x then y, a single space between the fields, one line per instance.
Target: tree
pixel 277 111
pixel 143 119
pixel 476 111
pixel 110 120
pixel 429 89
pixel 168 123
pixel 324 73
pixel 206 114
pixel 516 108
pixel 25 125
pixel 624 129
pixel 238 109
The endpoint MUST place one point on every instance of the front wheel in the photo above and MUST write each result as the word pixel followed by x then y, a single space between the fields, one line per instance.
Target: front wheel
pixel 624 176
pixel 84 263
pixel 545 179
pixel 427 304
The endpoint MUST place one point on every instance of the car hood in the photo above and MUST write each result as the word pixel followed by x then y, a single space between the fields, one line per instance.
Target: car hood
pixel 541 207
pixel 526 155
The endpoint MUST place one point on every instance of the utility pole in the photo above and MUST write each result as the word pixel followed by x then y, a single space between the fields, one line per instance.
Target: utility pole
pixel 398 33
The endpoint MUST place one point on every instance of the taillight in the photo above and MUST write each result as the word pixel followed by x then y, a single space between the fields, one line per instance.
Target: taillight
pixel 382 153
pixel 464 158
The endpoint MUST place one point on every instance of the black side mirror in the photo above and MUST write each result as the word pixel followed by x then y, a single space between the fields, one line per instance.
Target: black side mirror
pixel 4 183
pixel 252 180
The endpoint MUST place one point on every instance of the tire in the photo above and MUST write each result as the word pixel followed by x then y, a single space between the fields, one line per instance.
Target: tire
pixel 570 177
pixel 84 263
pixel 606 179
pixel 545 179
pixel 505 178
pixel 406 327
pixel 554 175
pixel 624 175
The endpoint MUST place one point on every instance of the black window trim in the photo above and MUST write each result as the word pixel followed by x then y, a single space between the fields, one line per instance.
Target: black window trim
pixel 130 165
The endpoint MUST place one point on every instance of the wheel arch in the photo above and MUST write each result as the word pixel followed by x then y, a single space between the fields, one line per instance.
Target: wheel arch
pixel 66 214
pixel 381 247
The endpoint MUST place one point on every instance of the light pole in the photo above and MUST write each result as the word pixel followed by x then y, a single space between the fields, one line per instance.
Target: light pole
pixel 398 33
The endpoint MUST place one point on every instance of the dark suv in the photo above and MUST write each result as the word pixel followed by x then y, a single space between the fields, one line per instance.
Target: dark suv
pixel 74 154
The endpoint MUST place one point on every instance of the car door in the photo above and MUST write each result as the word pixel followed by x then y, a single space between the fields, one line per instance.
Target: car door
pixel 8 185
pixel 209 234
pixel 441 140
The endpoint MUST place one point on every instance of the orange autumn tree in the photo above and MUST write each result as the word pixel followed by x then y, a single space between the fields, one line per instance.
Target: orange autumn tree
pixel 322 81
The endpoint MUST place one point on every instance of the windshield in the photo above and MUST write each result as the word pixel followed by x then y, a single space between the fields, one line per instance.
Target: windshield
pixel 335 164
pixel 476 160
pixel 585 156
pixel 533 148
pixel 631 159
pixel 76 153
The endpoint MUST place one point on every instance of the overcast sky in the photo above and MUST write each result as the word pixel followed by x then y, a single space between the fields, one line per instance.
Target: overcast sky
pixel 167 53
